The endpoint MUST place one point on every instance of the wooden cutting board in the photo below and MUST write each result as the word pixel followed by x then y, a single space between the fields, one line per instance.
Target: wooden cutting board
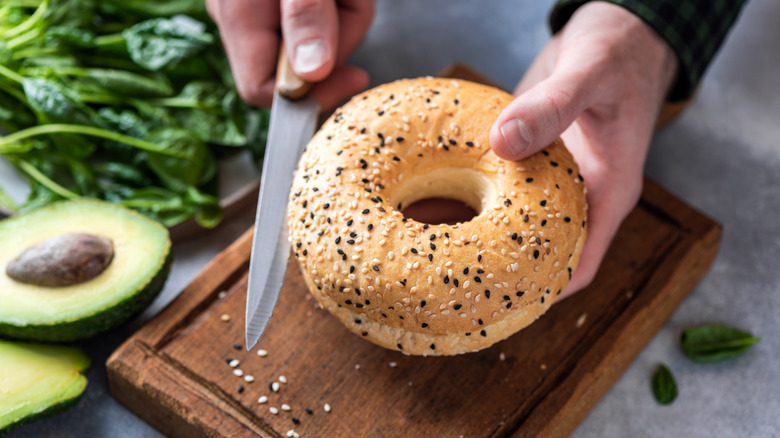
pixel 543 381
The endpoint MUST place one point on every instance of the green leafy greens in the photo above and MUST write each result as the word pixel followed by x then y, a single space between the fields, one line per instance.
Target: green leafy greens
pixel 664 386
pixel 715 343
pixel 130 101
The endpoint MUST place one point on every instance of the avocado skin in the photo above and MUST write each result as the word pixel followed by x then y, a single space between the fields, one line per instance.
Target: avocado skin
pixel 99 322
pixel 48 412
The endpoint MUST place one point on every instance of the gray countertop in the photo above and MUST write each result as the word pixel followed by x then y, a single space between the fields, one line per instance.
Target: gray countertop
pixel 721 156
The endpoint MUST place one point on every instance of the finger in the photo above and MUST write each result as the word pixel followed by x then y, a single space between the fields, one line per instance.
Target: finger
pixel 537 117
pixel 341 84
pixel 607 208
pixel 251 41
pixel 354 20
pixel 310 32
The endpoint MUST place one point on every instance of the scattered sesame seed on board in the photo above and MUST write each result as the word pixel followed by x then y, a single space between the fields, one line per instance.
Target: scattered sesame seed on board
pixel 262 400
pixel 502 356
pixel 262 353
pixel 234 363
pixel 326 407
pixel 581 320
pixel 393 364
pixel 273 410
pixel 283 379
pixel 249 378
pixel 225 317
pixel 222 294
pixel 238 372
pixel 275 386
pixel 286 407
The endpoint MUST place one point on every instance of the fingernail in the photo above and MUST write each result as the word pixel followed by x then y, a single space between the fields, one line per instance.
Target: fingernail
pixel 517 136
pixel 309 56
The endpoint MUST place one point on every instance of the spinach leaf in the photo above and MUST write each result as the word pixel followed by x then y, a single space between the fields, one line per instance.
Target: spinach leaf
pixel 53 102
pixel 664 386
pixel 160 42
pixel 160 204
pixel 63 36
pixel 715 343
pixel 167 8
pixel 193 165
pixel 208 212
pixel 128 83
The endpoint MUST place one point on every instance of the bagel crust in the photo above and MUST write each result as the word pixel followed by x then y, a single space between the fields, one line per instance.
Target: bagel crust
pixel 432 289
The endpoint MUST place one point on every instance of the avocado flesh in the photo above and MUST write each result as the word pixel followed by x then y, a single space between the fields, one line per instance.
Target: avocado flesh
pixel 37 380
pixel 142 251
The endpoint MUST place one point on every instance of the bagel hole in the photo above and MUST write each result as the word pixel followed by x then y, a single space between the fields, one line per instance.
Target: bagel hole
pixel 445 194
pixel 439 211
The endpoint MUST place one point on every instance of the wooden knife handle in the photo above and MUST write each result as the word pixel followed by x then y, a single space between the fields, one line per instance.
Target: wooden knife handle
pixel 289 84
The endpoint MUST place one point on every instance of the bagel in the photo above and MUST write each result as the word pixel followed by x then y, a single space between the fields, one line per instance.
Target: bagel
pixel 432 289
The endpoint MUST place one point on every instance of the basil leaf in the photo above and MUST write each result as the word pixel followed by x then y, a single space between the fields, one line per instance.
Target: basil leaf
pixel 160 42
pixel 664 386
pixel 715 343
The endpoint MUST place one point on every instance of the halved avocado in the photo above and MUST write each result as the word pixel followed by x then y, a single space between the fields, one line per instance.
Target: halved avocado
pixel 37 310
pixel 38 380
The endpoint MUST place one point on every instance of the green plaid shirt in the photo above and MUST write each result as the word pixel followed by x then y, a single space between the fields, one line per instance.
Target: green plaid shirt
pixel 694 29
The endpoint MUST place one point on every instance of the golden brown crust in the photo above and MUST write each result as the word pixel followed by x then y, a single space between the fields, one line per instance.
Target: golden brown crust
pixel 432 289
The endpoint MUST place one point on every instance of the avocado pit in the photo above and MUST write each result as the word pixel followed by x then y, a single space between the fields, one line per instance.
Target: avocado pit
pixel 63 260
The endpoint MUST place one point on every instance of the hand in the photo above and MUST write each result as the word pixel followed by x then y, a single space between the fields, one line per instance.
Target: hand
pixel 319 36
pixel 599 84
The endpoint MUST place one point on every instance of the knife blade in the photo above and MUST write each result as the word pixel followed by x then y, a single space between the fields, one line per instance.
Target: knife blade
pixel 292 125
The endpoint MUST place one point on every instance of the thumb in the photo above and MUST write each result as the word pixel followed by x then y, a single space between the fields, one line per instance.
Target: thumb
pixel 538 116
pixel 310 32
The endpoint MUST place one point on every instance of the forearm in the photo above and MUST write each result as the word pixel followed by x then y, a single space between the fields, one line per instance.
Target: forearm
pixel 694 29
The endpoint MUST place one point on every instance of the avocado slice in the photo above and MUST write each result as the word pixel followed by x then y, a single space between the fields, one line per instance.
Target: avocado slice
pixel 38 380
pixel 130 279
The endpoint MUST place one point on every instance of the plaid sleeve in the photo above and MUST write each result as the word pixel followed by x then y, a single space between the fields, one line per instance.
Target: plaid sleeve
pixel 694 29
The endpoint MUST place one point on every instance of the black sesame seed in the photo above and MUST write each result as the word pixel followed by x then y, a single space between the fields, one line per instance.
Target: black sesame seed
pixel 237 346
pixel 447 235
pixel 296 420
pixel 525 218
pixel 480 321
pixel 545 153
pixel 466 271
pixel 542 300
pixel 433 247
pixel 228 359
pixel 446 279
pixel 544 222
pixel 507 202
pixel 483 333
pixel 351 269
pixel 305 203
pixel 567 219
pixel 536 253
pixel 553 164
pixel 514 236
pixel 432 237
pixel 425 227
pixel 399 139
pixel 519 293
pixel 349 222
pixel 357 321
pixel 468 333
pixel 433 346
pixel 240 389
pixel 430 257
pixel 400 347
pixel 338 240
pixel 351 241
pixel 543 202
pixel 425 324
pixel 506 297
pixel 529 180
pixel 487 293
pixel 375 267
pixel 348 302
pixel 414 250
pixel 455 282
pixel 478 280
pixel 457 306
pixel 453 142
pixel 366 211
pixel 470 144
pixel 379 113
pixel 353 234
pixel 519 239
pixel 395 158
pixel 479 257
pixel 309 411
pixel 364 333
pixel 456 101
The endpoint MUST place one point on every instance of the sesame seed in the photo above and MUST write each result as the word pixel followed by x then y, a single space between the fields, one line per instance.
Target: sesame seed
pixel 326 407
pixel 275 386
pixel 262 400
pixel 225 318
pixel 283 379
pixel 392 364
pixel 234 363
pixel 273 410
pixel 249 378
pixel 238 372
pixel 286 407
pixel 262 353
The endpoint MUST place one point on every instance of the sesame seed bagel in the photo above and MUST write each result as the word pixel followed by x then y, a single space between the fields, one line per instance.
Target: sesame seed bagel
pixel 432 289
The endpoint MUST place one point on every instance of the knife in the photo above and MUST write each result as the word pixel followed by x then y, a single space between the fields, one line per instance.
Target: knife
pixel 293 119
